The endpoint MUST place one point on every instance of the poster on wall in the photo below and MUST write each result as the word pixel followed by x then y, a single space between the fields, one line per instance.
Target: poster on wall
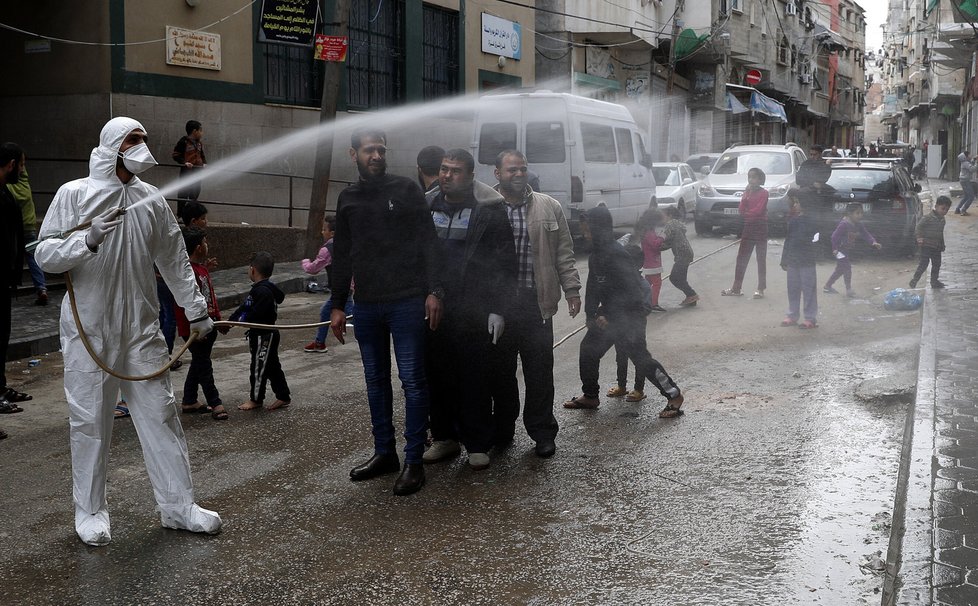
pixel 598 62
pixel 288 22
pixel 191 48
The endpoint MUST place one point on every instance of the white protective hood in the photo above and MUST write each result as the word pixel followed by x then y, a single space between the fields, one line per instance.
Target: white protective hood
pixel 115 288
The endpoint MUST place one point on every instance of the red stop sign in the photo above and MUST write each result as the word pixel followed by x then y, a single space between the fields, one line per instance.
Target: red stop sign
pixel 753 77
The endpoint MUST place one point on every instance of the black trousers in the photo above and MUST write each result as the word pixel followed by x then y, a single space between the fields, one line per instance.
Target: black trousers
pixel 265 366
pixel 627 332
pixel 530 338
pixel 678 277
pixel 461 406
pixel 201 372
pixel 930 256
pixel 5 312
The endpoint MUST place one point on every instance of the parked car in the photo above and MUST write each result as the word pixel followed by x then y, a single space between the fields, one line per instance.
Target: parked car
pixel 675 185
pixel 702 163
pixel 718 194
pixel 891 206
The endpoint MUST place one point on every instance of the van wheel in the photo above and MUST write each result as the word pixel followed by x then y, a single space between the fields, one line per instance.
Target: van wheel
pixel 682 211
pixel 703 228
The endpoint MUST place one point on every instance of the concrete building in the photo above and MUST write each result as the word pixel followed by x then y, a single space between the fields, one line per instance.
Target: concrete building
pixel 168 61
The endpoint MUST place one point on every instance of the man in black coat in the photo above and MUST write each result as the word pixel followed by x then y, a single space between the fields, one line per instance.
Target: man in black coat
pixel 479 280
pixel 11 259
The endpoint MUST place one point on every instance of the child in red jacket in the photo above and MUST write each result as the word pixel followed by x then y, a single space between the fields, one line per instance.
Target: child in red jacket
pixel 753 210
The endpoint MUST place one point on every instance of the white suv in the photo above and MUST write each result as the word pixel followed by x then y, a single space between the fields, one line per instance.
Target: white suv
pixel 719 192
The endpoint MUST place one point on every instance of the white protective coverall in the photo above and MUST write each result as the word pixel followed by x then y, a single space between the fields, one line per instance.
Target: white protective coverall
pixel 115 290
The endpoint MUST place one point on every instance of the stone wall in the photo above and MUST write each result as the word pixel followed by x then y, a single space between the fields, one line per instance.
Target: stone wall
pixel 233 245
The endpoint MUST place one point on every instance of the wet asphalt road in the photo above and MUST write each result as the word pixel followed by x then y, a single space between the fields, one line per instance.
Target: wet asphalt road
pixel 770 490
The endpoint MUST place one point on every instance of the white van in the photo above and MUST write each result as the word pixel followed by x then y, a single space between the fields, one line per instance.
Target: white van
pixel 584 151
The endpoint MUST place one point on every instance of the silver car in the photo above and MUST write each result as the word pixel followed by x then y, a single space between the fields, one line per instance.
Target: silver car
pixel 675 186
pixel 718 194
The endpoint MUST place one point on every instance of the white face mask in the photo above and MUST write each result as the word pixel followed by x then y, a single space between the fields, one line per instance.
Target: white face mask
pixel 138 159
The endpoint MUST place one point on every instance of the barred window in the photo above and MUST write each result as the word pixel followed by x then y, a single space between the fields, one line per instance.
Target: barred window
pixel 375 61
pixel 440 77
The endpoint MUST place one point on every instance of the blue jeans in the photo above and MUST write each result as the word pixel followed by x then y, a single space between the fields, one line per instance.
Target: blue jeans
pixel 375 324
pixel 968 189
pixel 324 313
pixel 37 275
pixel 168 315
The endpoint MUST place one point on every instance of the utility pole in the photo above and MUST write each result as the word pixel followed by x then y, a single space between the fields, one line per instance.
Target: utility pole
pixel 324 152
pixel 672 45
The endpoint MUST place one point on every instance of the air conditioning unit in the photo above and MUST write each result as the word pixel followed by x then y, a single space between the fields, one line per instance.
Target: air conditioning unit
pixel 791 8
pixel 805 78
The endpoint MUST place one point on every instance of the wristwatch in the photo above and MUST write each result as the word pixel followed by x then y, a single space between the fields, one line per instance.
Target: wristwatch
pixel 438 293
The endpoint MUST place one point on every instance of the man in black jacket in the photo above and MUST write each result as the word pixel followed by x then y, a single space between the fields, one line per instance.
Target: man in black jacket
pixel 480 282
pixel 385 238
pixel 614 307
pixel 11 257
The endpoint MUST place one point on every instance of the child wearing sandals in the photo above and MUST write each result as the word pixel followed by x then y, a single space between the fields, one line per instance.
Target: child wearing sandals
pixel 753 211
pixel 621 359
pixel 652 246
pixel 201 372
pixel 261 307
pixel 798 259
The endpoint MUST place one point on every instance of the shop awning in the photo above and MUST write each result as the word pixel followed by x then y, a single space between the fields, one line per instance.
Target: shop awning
pixel 759 102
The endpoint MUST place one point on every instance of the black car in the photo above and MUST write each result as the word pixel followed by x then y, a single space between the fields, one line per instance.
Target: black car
pixel 891 206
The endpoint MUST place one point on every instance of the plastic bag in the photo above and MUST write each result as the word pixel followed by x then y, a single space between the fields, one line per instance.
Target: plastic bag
pixel 901 299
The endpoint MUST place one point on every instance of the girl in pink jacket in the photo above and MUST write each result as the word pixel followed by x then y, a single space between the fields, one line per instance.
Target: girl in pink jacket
pixel 753 211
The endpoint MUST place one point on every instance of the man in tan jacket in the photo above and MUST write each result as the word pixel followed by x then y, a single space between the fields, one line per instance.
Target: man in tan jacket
pixel 545 267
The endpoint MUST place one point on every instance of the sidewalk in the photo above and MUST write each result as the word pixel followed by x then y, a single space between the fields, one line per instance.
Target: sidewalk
pixel 34 329
pixel 933 555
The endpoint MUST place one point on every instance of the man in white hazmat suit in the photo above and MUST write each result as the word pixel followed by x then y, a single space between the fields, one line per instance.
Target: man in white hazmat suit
pixel 111 268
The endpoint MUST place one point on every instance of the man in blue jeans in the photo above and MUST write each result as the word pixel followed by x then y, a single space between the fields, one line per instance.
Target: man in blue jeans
pixel 384 236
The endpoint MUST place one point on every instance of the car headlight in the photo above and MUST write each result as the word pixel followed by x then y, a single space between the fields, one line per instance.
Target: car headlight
pixel 779 191
pixel 706 191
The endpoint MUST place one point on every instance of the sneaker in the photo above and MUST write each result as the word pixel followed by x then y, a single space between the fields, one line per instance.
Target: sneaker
pixel 829 290
pixel 585 402
pixel 478 461
pixel 938 283
pixel 315 347
pixel 759 294
pixel 957 211
pixel 851 294
pixel 635 396
pixel 441 450
pixel 657 309
pixel 42 298
pixel 689 301
pixel 913 283
pixel 616 392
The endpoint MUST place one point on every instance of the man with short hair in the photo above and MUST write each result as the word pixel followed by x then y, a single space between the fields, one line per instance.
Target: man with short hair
pixel 109 265
pixel 21 191
pixel 545 267
pixel 479 278
pixel 429 165
pixel 385 237
pixel 11 264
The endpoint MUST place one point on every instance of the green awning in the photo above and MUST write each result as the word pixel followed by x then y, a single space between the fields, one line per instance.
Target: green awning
pixel 688 40
pixel 969 8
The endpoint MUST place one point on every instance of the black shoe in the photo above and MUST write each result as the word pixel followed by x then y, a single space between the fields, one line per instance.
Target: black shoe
pixel 913 283
pixel 545 448
pixel 937 284
pixel 377 465
pixel 411 479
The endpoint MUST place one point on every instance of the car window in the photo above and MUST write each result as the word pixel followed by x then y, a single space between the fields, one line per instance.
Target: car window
pixel 626 153
pixel 861 179
pixel 665 175
pixel 772 163
pixel 799 158
pixel 545 143
pixel 686 172
pixel 495 137
pixel 599 143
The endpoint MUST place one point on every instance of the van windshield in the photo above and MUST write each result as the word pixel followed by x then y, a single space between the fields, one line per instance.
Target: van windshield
pixel 736 163
pixel 495 137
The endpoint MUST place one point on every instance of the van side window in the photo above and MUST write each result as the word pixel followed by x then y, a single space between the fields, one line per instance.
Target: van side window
pixel 598 142
pixel 545 143
pixel 626 153
pixel 495 137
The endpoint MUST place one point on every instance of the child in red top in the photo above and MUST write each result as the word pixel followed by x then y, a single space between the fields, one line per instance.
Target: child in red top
pixel 652 246
pixel 201 372
pixel 753 211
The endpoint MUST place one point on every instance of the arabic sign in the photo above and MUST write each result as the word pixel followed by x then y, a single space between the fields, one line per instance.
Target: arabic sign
pixel 501 37
pixel 189 48
pixel 331 48
pixel 288 21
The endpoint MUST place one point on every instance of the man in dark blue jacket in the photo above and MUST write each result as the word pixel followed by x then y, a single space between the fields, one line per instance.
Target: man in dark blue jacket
pixel 615 309
pixel 479 279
